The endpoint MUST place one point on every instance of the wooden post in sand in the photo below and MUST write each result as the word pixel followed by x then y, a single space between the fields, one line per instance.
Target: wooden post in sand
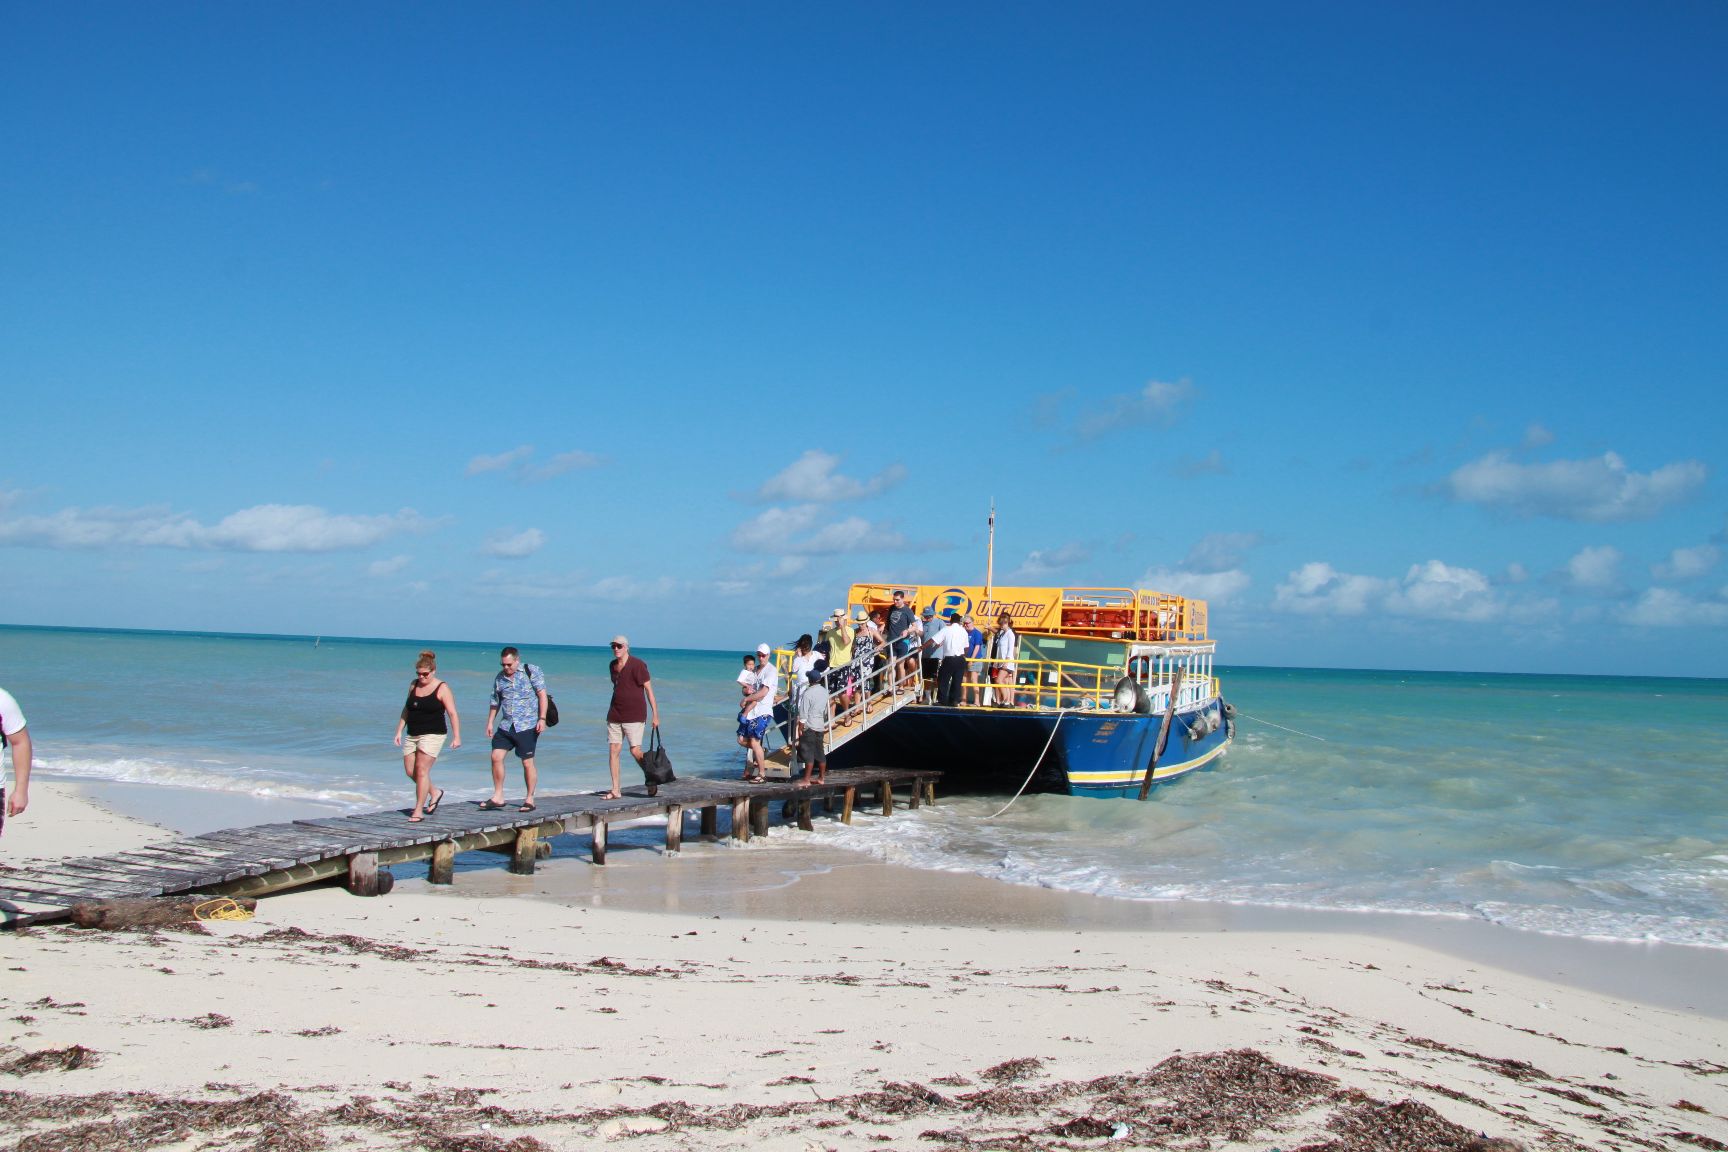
pixel 526 851
pixel 851 798
pixel 759 817
pixel 674 828
pixel 442 870
pixel 804 814
pixel 917 796
pixel 930 793
pixel 365 878
pixel 1163 734
pixel 886 792
pixel 599 841
pixel 741 819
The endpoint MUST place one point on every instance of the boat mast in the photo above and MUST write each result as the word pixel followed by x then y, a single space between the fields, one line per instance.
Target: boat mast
pixel 990 552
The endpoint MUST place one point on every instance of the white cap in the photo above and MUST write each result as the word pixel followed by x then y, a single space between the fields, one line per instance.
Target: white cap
pixel 763 649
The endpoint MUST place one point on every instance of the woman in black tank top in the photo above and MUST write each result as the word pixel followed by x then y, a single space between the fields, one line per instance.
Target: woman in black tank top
pixel 420 733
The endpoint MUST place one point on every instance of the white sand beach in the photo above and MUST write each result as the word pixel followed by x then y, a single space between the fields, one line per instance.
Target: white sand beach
pixel 507 1014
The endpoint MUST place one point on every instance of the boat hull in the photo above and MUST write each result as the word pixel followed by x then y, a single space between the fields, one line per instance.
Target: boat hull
pixel 1081 753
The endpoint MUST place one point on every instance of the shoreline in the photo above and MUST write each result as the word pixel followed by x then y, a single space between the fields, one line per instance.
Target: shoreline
pixel 497 1016
pixel 795 878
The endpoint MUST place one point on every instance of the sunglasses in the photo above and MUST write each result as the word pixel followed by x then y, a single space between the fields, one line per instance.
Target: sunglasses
pixel 617 645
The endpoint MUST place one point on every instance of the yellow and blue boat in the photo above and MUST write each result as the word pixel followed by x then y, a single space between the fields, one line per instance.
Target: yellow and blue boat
pixel 1111 690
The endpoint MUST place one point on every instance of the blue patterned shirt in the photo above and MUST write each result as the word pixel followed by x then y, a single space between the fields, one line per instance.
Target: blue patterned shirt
pixel 517 697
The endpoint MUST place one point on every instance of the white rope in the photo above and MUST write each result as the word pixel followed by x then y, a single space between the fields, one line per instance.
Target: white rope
pixel 1035 764
pixel 1257 720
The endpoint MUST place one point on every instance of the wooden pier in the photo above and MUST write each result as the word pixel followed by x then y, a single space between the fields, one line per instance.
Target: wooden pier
pixel 358 850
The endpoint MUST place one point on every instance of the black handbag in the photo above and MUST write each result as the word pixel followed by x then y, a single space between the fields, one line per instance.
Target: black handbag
pixel 656 765
pixel 551 711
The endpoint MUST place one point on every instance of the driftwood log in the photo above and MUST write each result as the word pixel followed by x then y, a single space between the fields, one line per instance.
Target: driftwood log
pixel 154 912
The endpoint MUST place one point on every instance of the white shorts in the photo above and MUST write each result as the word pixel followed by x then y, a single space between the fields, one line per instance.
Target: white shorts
pixel 432 743
pixel 615 733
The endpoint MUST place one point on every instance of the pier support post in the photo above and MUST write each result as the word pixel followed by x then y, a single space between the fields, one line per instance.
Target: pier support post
pixel 886 791
pixel 846 803
pixel 365 878
pixel 804 814
pixel 674 828
pixel 917 796
pixel 526 852
pixel 759 817
pixel 930 793
pixel 442 870
pixel 599 841
pixel 741 819
pixel 710 820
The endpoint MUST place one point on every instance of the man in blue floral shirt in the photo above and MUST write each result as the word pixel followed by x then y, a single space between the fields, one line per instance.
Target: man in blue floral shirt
pixel 519 692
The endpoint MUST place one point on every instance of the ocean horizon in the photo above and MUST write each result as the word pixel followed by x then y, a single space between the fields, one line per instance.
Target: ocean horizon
pixel 1577 805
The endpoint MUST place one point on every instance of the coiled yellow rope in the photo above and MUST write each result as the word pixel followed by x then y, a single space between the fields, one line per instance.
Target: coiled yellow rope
pixel 221 908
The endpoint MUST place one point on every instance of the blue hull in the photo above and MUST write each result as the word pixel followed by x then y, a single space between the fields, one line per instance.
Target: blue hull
pixel 1101 754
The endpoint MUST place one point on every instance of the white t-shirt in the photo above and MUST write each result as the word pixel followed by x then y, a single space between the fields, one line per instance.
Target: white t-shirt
pixel 11 716
pixel 953 641
pixel 767 677
pixel 747 677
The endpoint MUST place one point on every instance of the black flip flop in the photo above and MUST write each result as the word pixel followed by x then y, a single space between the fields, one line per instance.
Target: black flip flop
pixel 436 800
pixel 526 808
pixel 488 806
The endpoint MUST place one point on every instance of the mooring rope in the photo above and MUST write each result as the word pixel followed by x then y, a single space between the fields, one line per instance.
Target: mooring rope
pixel 1035 764
pixel 1298 732
pixel 220 909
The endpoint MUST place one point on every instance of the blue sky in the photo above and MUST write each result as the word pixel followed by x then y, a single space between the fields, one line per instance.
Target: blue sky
pixel 1400 332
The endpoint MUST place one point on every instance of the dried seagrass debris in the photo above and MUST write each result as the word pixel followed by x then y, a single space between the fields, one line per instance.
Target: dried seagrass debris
pixel 211 1020
pixel 1366 1125
pixel 1009 1071
pixel 68 1059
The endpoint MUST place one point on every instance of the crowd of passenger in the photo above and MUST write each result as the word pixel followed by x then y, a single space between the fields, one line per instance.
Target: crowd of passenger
pixel 855 656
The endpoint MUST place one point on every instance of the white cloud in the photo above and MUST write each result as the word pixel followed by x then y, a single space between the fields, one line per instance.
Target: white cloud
pixel 1667 608
pixel 1217 551
pixel 503 461
pixel 1596 489
pixel 514 545
pixel 262 528
pixel 1688 563
pixel 1214 587
pixel 560 464
pixel 1043 563
pixel 388 567
pixel 1158 403
pixel 1434 590
pixel 799 530
pixel 1211 464
pixel 812 478
pixel 1595 567
pixel 1537 436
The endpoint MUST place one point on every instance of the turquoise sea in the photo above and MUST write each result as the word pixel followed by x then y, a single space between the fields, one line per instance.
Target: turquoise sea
pixel 1578 806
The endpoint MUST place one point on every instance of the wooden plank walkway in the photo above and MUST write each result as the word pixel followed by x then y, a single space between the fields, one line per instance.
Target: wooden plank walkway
pixel 276 857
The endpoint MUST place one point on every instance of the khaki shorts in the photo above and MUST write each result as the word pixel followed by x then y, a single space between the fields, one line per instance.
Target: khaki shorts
pixel 432 743
pixel 616 733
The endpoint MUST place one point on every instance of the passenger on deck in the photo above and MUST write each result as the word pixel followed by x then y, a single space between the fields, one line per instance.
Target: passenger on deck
pixel 903 648
pixel 930 657
pixel 1004 652
pixel 803 662
pixel 866 649
pixel 813 720
pixel 951 644
pixel 974 650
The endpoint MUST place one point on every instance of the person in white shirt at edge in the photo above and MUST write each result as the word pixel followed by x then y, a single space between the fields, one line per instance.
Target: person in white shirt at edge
pixel 951 645
pixel 759 714
pixel 12 723
pixel 813 722
pixel 1004 651
pixel 923 634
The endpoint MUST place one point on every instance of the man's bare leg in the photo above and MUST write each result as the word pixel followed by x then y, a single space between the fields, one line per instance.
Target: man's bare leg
pixel 498 776
pixel 531 777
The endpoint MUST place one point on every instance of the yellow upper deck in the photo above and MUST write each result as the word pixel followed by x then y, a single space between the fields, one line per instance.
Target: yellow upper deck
pixel 1124 614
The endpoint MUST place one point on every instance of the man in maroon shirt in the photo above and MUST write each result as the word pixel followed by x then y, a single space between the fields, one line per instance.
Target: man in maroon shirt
pixel 632 702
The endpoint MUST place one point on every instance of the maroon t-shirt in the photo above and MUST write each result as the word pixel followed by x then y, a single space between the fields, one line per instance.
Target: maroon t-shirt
pixel 629 705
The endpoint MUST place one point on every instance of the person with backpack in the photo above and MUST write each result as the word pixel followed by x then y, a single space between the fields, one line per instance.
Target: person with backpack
pixel 519 697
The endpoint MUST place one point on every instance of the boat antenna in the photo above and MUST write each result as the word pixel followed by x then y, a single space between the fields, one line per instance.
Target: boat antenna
pixel 990 552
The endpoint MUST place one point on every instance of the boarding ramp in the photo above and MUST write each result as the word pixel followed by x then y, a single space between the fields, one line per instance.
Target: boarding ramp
pixel 880 693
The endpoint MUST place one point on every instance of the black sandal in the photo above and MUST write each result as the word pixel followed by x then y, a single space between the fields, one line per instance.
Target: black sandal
pixel 436 800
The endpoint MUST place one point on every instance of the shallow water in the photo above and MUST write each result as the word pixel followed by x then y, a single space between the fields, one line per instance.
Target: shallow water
pixel 1581 806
